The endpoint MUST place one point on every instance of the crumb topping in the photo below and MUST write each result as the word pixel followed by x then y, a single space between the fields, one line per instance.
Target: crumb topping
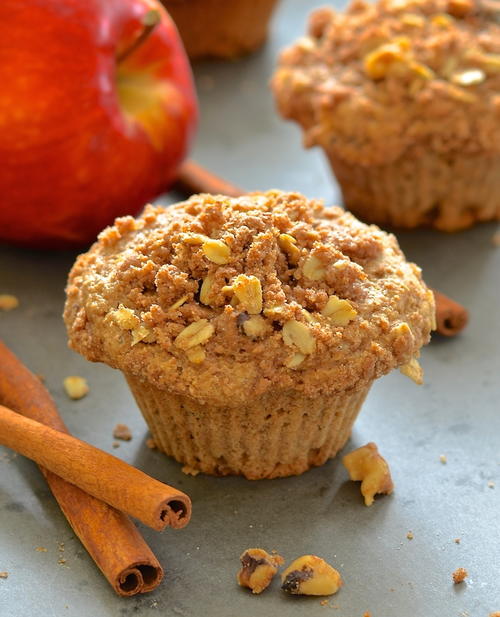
pixel 248 314
pixel 370 82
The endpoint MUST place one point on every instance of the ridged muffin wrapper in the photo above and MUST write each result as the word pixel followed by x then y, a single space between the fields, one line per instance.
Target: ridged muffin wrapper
pixel 279 434
pixel 422 189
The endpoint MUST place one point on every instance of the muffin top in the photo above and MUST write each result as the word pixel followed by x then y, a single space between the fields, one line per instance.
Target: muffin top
pixel 225 299
pixel 369 83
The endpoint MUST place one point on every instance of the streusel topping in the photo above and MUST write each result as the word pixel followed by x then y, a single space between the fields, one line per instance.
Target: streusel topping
pixel 224 298
pixel 370 82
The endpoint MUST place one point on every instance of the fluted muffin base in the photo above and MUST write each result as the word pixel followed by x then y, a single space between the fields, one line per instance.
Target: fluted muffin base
pixel 277 435
pixel 422 189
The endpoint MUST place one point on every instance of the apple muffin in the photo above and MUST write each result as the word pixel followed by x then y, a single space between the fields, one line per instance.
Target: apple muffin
pixel 404 98
pixel 221 28
pixel 250 329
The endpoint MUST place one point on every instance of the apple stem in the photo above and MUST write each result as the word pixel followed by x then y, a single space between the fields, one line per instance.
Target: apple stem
pixel 149 20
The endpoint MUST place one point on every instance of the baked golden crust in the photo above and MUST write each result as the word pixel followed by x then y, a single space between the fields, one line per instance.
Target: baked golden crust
pixel 208 299
pixel 380 78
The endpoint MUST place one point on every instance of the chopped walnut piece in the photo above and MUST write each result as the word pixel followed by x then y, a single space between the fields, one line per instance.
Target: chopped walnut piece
pixel 216 251
pixel 413 370
pixel 196 333
pixel 196 355
pixel 75 387
pixel 255 327
pixel 125 318
pixel 258 569
pixel 8 302
pixel 459 575
pixel 367 465
pixel 340 312
pixel 297 334
pixel 310 576
pixel 4 575
pixel 381 60
pixel 122 431
pixel 288 245
pixel 313 268
pixel 248 290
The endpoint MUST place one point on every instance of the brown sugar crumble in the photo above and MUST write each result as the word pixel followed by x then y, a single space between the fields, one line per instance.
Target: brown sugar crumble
pixel 459 575
pixel 270 282
pixel 122 431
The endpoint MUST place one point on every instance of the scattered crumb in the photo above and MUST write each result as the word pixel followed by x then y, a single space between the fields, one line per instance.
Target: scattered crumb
pixel 459 575
pixel 40 549
pixel 491 484
pixel 122 431
pixel 410 535
pixel 457 540
pixel 151 443
pixel 495 240
pixel 495 614
pixel 61 561
pixel 367 614
pixel 443 459
pixel 8 302
pixel 6 575
pixel 116 444
pixel 324 602
pixel 190 471
pixel 76 387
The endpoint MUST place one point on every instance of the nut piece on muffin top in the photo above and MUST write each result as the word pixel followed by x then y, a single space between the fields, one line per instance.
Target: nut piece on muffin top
pixel 370 82
pixel 225 299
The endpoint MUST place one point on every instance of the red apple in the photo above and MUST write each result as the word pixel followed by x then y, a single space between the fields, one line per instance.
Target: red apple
pixel 96 113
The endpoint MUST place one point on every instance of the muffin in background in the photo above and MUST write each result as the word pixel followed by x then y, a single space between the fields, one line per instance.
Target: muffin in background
pixel 404 98
pixel 251 329
pixel 221 28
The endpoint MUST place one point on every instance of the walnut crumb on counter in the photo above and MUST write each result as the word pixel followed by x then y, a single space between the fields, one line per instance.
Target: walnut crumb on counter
pixel 75 387
pixel 367 465
pixel 4 575
pixel 459 575
pixel 258 569
pixel 122 431
pixel 8 302
pixel 457 540
pixel 410 535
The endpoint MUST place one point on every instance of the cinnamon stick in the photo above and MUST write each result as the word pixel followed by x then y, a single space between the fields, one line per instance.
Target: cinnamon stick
pixel 193 178
pixel 451 317
pixel 96 472
pixel 109 536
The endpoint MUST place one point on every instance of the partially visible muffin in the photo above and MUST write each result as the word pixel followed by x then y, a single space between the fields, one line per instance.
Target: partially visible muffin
pixel 251 329
pixel 221 28
pixel 404 98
